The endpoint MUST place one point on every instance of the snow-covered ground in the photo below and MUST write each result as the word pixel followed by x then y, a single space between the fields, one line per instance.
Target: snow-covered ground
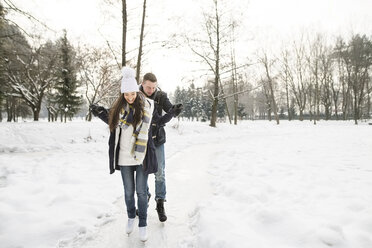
pixel 252 185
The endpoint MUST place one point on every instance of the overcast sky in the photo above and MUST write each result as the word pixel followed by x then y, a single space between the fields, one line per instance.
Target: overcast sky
pixel 267 21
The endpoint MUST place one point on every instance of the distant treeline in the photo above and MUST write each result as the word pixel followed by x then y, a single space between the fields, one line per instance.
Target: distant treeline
pixel 53 75
pixel 306 81
pixel 312 79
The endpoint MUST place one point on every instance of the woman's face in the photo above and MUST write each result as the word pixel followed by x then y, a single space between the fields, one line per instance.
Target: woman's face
pixel 130 97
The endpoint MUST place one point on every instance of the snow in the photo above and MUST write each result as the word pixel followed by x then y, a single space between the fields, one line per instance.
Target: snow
pixel 256 184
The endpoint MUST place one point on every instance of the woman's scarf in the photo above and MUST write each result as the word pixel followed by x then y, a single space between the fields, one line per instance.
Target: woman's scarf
pixel 127 117
pixel 140 131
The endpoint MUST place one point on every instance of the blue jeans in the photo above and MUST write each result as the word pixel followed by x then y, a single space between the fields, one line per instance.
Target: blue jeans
pixel 160 188
pixel 127 174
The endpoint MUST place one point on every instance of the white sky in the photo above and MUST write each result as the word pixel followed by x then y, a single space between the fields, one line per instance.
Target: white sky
pixel 266 23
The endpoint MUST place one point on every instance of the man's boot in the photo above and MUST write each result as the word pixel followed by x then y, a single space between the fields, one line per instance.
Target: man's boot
pixel 160 210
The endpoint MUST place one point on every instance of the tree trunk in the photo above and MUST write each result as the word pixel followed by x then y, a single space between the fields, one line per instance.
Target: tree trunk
pixel 214 113
pixel 344 110
pixel 227 110
pixel 274 103
pixel 36 114
pixel 8 110
pixel 141 42
pixel 225 102
pixel 217 70
pixel 89 116
pixel 236 97
pixel 269 114
pixel 316 102
pixel 301 117
pixel 273 108
pixel 215 101
pixel 37 108
pixel 326 109
pixel 368 107
pixel 124 39
pixel 335 102
pixel 234 78
pixel 14 115
pixel 356 110
pixel 288 105
pixel 235 110
pixel 345 102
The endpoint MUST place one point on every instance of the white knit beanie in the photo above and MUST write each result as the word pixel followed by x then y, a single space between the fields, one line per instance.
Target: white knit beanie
pixel 128 82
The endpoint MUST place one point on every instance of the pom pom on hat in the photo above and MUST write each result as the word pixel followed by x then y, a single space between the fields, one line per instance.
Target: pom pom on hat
pixel 128 82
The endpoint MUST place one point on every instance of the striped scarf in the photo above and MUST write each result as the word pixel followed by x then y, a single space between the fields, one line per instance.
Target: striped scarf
pixel 141 130
pixel 127 117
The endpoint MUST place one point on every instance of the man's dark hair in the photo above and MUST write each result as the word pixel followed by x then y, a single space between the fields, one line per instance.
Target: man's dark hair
pixel 150 76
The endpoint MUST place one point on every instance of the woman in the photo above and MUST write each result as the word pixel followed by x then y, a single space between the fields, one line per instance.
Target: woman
pixel 129 120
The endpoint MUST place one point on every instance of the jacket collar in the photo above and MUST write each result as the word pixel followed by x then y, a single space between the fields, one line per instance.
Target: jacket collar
pixel 152 97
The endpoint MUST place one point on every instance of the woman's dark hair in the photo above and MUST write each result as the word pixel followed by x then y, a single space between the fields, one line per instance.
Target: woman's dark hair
pixel 120 103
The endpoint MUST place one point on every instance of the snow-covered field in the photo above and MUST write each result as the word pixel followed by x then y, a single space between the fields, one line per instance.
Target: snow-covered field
pixel 252 185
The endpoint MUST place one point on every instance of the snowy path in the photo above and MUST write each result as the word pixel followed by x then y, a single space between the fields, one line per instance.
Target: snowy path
pixel 187 183
pixel 288 186
pixel 271 189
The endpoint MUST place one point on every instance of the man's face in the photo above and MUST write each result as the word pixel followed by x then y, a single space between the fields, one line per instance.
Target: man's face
pixel 149 87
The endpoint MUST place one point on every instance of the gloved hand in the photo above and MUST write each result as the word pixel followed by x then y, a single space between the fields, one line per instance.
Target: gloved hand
pixel 177 109
pixel 95 109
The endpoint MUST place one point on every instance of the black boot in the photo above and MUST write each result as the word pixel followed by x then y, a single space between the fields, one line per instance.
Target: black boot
pixel 160 210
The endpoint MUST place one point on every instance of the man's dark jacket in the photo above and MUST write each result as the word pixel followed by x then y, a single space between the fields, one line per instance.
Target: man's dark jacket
pixel 158 121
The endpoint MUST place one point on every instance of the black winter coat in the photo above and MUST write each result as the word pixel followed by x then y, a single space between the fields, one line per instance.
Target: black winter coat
pixel 158 120
pixel 104 116
pixel 150 163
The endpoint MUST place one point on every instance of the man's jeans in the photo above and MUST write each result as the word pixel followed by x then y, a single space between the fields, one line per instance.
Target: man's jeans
pixel 127 174
pixel 160 189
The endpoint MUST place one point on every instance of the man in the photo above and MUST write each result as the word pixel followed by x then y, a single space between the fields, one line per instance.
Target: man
pixel 150 88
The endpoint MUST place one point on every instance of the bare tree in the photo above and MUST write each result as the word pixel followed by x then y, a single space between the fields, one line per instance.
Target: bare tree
pixel 99 77
pixel 326 81
pixel 358 59
pixel 10 6
pixel 234 76
pixel 2 78
pixel 141 42
pixel 338 82
pixel 12 44
pixel 234 81
pixel 124 35
pixel 210 51
pixel 298 82
pixel 286 77
pixel 30 76
pixel 369 91
pixel 268 64
pixel 313 60
pixel 267 98
pixel 343 76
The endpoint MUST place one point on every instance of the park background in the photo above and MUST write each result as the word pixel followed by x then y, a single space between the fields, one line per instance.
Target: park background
pixel 272 149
